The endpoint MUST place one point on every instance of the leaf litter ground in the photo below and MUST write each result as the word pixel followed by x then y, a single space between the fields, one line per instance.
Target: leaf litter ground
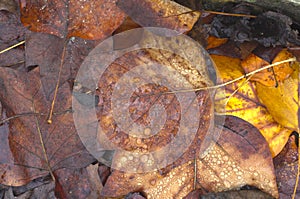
pixel 31 148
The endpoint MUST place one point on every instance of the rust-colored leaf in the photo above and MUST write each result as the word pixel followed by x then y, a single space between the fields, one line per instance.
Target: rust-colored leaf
pixel 94 19
pixel 272 76
pixel 240 157
pixel 160 13
pixel 246 105
pixel 23 156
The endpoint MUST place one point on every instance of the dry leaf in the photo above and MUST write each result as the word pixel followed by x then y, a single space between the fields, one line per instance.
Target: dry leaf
pixel 240 157
pixel 271 76
pixel 246 105
pixel 160 13
pixel 282 101
pixel 95 19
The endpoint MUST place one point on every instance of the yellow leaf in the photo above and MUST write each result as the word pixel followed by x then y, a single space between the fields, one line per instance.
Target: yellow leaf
pixel 246 105
pixel 273 75
pixel 282 102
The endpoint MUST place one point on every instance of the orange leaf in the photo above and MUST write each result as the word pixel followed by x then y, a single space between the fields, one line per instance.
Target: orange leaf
pixel 271 76
pixel 213 42
pixel 95 19
pixel 160 13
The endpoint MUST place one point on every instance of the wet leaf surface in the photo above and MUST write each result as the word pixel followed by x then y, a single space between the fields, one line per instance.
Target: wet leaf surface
pixel 238 158
pixel 160 13
pixel 65 19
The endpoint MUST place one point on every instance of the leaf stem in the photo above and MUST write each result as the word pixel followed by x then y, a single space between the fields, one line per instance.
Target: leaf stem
pixel 43 145
pixel 49 120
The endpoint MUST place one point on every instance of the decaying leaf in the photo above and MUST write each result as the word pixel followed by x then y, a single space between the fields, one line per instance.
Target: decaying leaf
pixel 272 76
pixel 246 105
pixel 9 5
pixel 160 13
pixel 86 19
pixel 286 169
pixel 30 148
pixel 240 157
pixel 282 101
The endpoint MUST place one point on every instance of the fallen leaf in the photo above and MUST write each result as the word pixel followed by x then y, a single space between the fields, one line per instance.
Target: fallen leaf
pixel 229 49
pixel 213 42
pixel 94 19
pixel 282 101
pixel 242 194
pixel 240 157
pixel 286 164
pixel 73 183
pixel 94 181
pixel 272 76
pixel 12 30
pixel 246 105
pixel 9 5
pixel 30 147
pixel 160 13
pixel 147 73
pixel 44 51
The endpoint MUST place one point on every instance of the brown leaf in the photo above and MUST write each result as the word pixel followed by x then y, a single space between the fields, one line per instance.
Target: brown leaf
pixel 44 50
pixel 23 157
pixel 72 183
pixel 9 5
pixel 240 157
pixel 86 19
pixel 160 13
pixel 286 164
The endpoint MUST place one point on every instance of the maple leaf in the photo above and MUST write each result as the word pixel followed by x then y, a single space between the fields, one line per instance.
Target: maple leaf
pixel 30 147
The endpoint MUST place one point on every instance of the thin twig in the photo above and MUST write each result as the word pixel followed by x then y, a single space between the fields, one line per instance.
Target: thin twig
pixel 11 47
pixel 31 113
pixel 229 14
pixel 237 79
